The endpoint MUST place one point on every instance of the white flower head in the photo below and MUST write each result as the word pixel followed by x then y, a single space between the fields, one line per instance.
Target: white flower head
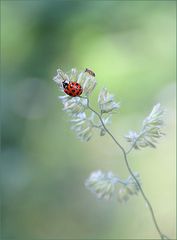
pixel 132 137
pixel 151 130
pixel 86 80
pixel 105 185
pixel 82 123
pixel 73 105
pixel 102 184
pixel 60 77
pixel 155 118
pixel 83 126
pixel 106 101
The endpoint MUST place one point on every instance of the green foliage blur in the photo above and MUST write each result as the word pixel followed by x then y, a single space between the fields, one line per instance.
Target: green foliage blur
pixel 130 45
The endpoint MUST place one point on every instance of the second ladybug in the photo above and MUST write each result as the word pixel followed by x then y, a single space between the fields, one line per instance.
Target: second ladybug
pixel 72 89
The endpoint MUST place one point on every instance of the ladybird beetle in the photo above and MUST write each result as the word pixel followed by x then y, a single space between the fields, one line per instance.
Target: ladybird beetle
pixel 90 72
pixel 73 89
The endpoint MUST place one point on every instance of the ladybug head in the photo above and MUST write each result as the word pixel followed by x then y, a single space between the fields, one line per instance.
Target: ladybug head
pixel 65 84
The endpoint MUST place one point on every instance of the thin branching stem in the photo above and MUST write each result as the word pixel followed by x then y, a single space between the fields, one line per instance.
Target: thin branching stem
pixel 162 236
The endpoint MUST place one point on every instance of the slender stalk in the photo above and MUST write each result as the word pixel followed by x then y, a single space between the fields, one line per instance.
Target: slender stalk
pixel 162 236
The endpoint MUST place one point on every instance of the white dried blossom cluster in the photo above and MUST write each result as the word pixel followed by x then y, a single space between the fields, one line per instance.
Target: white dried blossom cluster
pixel 87 81
pixel 105 185
pixel 151 130
pixel 82 122
pixel 106 102
pixel 83 125
pixel 73 105
pixel 102 184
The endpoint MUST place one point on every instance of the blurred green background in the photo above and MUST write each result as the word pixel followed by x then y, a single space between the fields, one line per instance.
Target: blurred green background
pixel 131 47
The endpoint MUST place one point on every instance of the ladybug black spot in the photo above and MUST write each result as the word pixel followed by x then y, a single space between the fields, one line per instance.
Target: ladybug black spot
pixel 65 84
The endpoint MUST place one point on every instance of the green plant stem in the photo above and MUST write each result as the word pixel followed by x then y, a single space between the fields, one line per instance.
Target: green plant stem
pixel 162 236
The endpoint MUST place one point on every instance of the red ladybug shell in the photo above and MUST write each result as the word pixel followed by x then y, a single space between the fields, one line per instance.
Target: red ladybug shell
pixel 73 89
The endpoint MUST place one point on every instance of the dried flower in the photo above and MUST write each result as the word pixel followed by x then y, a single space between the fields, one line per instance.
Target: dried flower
pixel 83 126
pixel 76 107
pixel 128 189
pixel 86 80
pixel 151 130
pixel 102 184
pixel 106 101
pixel 73 105
pixel 155 118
